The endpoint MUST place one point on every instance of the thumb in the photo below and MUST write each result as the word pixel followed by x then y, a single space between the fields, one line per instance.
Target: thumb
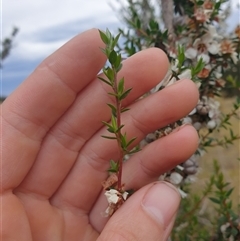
pixel 148 214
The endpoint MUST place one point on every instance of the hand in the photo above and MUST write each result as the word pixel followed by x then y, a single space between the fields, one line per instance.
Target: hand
pixel 54 158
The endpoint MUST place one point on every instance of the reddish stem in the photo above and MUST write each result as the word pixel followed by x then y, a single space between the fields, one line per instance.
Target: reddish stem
pixel 118 135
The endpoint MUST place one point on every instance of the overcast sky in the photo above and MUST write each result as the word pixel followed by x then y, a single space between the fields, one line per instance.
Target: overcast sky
pixel 45 25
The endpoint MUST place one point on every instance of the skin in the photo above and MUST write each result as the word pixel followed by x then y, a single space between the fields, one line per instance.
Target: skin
pixel 54 158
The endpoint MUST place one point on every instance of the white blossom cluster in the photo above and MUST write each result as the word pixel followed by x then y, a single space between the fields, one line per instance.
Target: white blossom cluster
pixel 202 41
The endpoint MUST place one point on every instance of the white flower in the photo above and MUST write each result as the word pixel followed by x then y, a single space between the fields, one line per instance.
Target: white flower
pixel 187 120
pixel 224 227
pixel 186 74
pixel 182 193
pixel 234 57
pixel 193 111
pixel 112 196
pixel 214 112
pixel 213 32
pixel 191 53
pixel 218 72
pixel 197 126
pixel 191 178
pixel 175 178
pixel 228 47
pixel 124 195
pixel 211 124
pixel 205 58
pixel 174 66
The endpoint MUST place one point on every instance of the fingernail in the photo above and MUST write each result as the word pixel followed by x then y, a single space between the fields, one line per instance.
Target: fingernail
pixel 161 202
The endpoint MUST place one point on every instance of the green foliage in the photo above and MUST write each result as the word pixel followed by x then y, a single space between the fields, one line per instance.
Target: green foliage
pixel 198 220
pixel 7 44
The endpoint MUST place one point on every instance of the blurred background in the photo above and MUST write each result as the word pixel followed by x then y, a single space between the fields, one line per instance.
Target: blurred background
pixel 46 25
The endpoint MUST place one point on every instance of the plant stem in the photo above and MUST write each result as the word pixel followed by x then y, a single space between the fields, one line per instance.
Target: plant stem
pixel 118 134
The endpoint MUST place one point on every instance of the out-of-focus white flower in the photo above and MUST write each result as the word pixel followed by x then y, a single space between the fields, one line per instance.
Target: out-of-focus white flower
pixel 191 53
pixel 190 178
pixel 211 124
pixel 182 193
pixel 228 47
pixel 186 74
pixel 197 126
pixel 187 120
pixel 218 72
pixel 214 112
pixel 193 111
pixel 204 45
pixel 224 227
pixel 175 178
pixel 205 58
pixel 174 66
pixel 202 15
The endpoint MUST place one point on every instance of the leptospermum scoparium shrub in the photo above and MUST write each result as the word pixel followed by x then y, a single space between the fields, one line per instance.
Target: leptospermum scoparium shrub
pixel 193 35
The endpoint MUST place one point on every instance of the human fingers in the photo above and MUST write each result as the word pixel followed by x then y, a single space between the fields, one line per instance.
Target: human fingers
pixel 160 156
pixel 28 114
pixel 96 153
pixel 61 146
pixel 42 99
pixel 147 165
pixel 147 215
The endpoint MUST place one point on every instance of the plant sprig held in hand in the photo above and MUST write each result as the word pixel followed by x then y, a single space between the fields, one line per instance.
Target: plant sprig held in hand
pixel 115 193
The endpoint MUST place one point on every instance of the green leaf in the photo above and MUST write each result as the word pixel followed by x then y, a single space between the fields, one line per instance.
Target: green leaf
pixel 234 232
pixel 112 57
pixel 215 200
pixel 119 128
pixel 119 67
pixel 113 108
pixel 135 150
pixel 111 128
pixel 109 137
pixel 115 41
pixel 114 166
pixel 105 81
pixel 124 110
pixel 138 23
pixel 113 94
pixel 200 65
pixel 125 94
pixel 120 86
pixel 124 141
pixel 200 2
pixel 181 56
pixel 217 5
pixel 114 123
pixel 131 141
pixel 108 34
pixel 118 62
pixel 229 192
pixel 153 25
pixel 104 37
pixel 109 73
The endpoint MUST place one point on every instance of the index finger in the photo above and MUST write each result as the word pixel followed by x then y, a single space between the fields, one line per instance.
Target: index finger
pixel 42 99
